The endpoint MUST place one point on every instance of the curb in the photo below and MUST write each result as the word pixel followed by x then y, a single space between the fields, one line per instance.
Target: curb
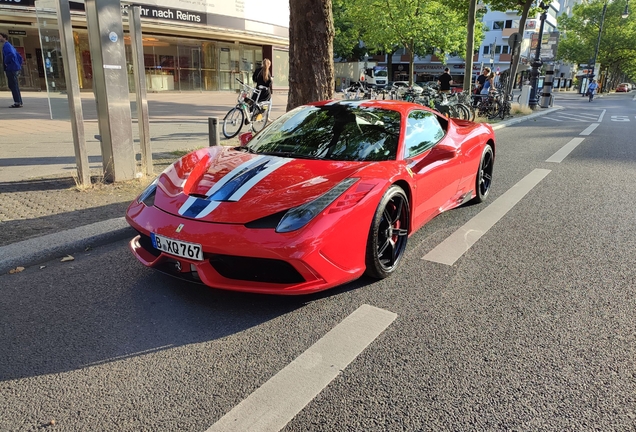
pixel 40 249
pixel 524 118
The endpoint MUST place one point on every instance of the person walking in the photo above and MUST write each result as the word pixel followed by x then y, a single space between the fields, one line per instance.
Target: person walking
pixel 12 67
pixel 445 80
pixel 591 89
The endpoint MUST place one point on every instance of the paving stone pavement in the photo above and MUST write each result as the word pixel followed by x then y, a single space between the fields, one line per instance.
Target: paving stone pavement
pixel 38 191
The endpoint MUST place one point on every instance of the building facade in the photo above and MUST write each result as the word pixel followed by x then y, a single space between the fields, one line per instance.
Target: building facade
pixel 495 50
pixel 188 45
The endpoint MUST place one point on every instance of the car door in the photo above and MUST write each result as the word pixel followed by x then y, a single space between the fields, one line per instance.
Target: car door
pixel 432 158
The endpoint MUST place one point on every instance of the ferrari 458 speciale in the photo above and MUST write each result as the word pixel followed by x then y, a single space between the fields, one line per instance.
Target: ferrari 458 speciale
pixel 326 193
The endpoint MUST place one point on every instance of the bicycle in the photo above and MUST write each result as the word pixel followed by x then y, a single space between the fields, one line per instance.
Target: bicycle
pixel 247 111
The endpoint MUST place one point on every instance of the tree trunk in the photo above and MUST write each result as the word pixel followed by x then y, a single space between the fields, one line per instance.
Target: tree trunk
pixel 516 54
pixel 470 46
pixel 311 71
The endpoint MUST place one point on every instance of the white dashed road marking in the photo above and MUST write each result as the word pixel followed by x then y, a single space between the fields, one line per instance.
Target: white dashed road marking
pixel 600 118
pixel 589 129
pixel 276 402
pixel 451 249
pixel 565 150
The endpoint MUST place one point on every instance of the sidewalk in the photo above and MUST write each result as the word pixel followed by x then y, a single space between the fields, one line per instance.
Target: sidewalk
pixel 43 214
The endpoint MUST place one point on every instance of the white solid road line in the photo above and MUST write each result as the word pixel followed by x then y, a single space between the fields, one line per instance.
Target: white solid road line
pixel 276 402
pixel 451 249
pixel 589 129
pixel 565 150
pixel 600 118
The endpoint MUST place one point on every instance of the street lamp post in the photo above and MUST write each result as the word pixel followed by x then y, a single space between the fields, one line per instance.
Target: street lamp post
pixel 536 64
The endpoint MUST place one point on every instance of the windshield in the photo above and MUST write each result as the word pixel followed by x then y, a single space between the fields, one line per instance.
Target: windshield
pixel 340 131
pixel 381 73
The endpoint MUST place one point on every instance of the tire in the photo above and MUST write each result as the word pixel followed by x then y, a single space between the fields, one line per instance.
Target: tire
pixel 464 111
pixel 388 234
pixel 494 111
pixel 471 110
pixel 233 122
pixel 259 123
pixel 483 180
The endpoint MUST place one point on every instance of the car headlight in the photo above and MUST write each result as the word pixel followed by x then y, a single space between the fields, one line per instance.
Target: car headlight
pixel 300 216
pixel 148 195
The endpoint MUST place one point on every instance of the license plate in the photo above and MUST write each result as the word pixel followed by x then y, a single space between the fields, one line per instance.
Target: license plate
pixel 179 248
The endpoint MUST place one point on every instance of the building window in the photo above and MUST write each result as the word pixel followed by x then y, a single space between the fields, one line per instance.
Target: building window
pixel 280 66
pixel 498 49
pixel 486 49
pixel 512 24
pixel 505 49
pixel 497 25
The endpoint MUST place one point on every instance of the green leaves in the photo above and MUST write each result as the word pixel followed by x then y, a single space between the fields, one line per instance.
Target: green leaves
pixel 418 25
pixel 579 36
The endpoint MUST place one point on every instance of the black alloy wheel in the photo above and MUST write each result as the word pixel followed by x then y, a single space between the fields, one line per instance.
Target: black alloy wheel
pixel 484 174
pixel 388 234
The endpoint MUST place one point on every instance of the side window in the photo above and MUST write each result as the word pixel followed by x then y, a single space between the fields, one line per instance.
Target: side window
pixel 423 131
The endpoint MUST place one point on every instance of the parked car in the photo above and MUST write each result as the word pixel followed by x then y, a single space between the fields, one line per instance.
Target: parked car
pixel 403 86
pixel 324 194
pixel 623 88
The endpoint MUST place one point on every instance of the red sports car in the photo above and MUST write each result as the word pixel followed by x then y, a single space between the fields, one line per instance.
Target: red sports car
pixel 326 193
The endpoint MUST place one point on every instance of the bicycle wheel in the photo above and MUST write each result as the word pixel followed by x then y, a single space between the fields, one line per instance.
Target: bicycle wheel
pixel 495 109
pixel 464 112
pixel 504 110
pixel 233 122
pixel 471 112
pixel 260 118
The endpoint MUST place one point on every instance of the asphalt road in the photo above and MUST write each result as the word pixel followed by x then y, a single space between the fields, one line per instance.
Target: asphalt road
pixel 533 328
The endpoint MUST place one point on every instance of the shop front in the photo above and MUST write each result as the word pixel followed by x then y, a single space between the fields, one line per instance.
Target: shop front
pixel 195 56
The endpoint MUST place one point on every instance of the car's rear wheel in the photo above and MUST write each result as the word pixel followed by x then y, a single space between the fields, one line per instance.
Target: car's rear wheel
pixel 484 174
pixel 388 234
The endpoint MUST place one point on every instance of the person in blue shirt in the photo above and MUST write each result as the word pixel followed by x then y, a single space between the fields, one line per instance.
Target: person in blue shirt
pixel 591 89
pixel 12 66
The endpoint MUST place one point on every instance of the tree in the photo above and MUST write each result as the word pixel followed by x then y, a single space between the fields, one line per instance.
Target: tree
pixel 347 35
pixel 523 7
pixel 311 72
pixel 580 32
pixel 417 25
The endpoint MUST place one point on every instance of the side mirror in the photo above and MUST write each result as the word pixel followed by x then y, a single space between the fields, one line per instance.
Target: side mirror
pixel 245 138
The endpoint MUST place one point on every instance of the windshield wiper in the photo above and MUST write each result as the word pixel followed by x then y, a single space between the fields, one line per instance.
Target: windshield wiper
pixel 246 149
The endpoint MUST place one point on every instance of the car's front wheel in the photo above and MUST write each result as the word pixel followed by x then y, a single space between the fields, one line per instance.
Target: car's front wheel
pixel 484 174
pixel 388 234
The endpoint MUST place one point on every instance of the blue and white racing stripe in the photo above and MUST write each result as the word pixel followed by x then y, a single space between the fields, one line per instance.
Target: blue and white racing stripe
pixel 233 186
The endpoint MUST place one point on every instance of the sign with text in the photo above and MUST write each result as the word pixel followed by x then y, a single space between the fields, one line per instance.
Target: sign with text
pixel 274 12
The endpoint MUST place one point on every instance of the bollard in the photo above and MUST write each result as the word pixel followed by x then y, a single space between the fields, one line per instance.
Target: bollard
pixel 546 93
pixel 213 131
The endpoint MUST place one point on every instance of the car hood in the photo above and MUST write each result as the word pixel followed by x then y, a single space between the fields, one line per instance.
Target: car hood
pixel 224 185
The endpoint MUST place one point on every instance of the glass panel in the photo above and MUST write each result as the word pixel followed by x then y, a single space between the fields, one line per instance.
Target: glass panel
pixel 423 131
pixel 160 64
pixel 228 68
pixel 189 62
pixel 209 71
pixel 247 65
pixel 46 14
pixel 280 68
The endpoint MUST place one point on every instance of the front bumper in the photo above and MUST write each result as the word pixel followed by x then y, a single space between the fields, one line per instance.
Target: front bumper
pixel 251 260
